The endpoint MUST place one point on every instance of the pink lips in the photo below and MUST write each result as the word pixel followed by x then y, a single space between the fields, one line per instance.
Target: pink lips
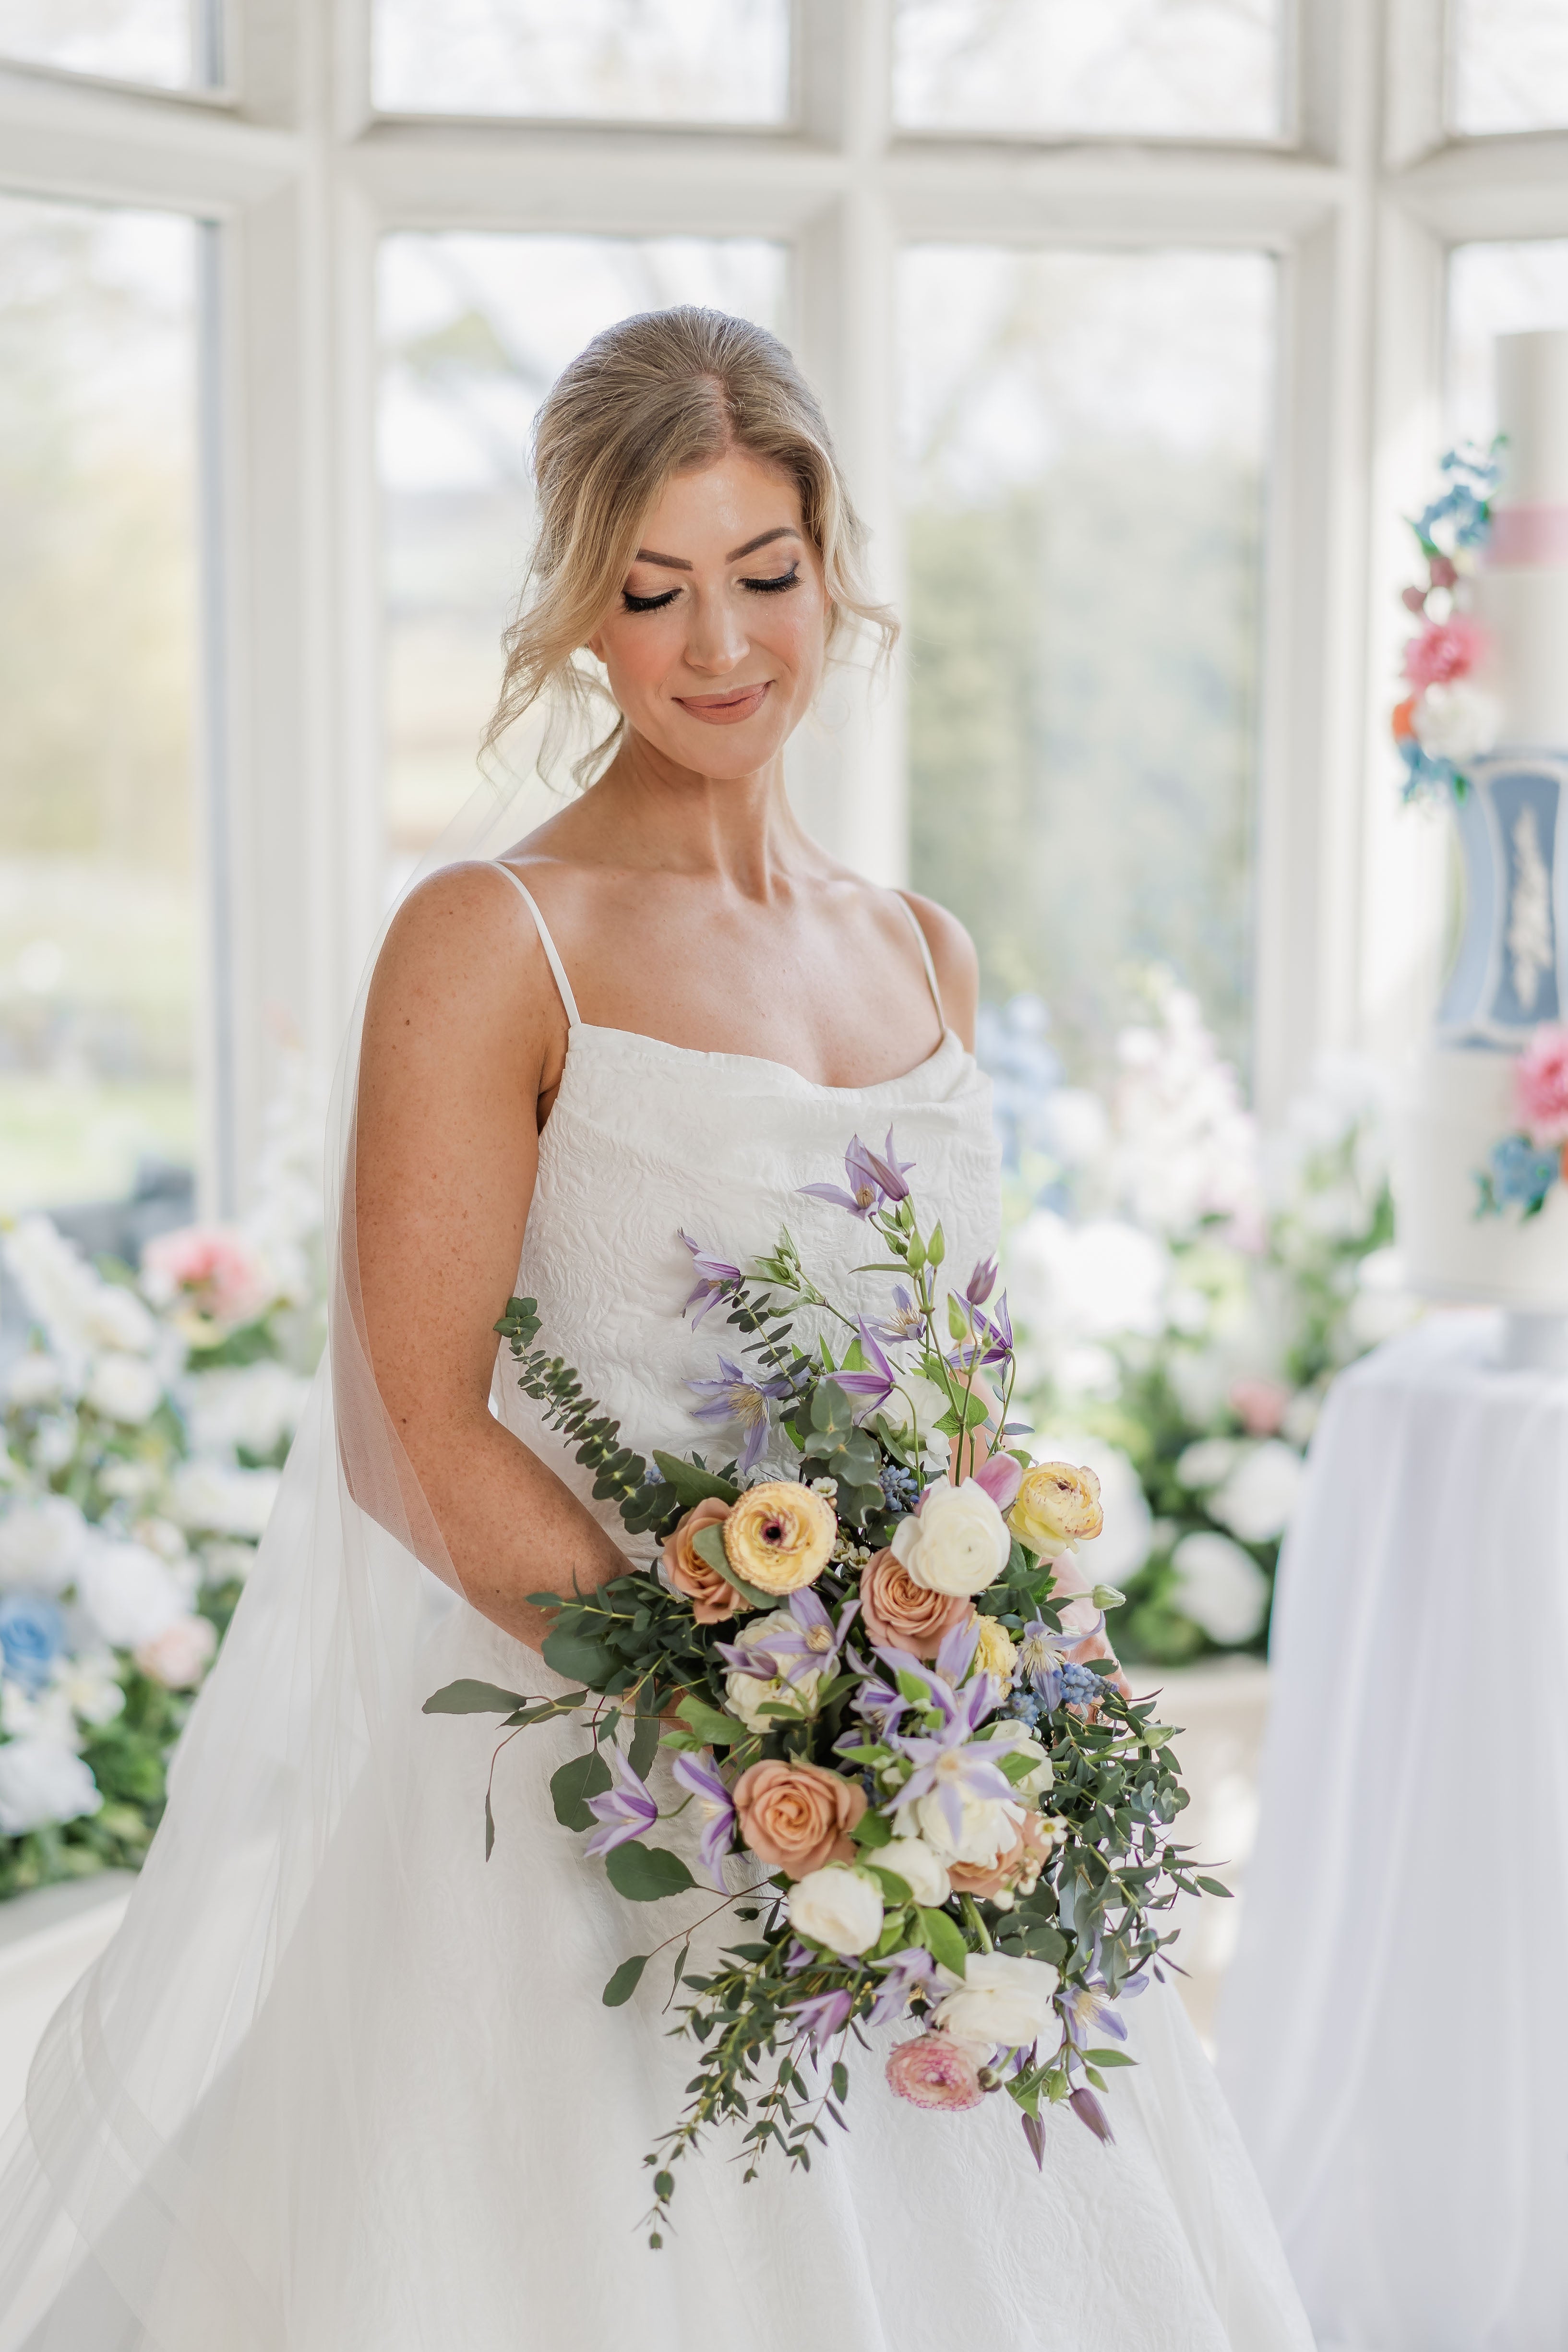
pixel 726 709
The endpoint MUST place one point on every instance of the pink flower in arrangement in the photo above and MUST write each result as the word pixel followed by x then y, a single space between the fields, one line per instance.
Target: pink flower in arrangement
pixel 216 1268
pixel 936 2071
pixel 1541 1086
pixel 1444 650
pixel 1259 1405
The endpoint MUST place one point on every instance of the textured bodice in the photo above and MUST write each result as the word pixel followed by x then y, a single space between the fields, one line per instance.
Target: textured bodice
pixel 647 1141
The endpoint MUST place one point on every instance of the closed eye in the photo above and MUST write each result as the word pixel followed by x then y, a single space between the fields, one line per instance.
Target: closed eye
pixel 648 604
pixel 772 587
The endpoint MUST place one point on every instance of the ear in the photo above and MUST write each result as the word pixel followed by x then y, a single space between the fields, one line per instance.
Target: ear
pixel 595 645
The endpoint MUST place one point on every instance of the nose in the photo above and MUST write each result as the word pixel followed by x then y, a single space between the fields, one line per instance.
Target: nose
pixel 717 642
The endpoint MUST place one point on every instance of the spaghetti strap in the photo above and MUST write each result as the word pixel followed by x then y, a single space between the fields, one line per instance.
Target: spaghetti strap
pixel 923 944
pixel 552 955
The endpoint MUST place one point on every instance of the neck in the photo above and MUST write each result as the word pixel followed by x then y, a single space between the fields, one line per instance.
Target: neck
pixel 740 829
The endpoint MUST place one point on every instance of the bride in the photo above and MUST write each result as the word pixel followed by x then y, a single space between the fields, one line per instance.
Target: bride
pixel 338 2085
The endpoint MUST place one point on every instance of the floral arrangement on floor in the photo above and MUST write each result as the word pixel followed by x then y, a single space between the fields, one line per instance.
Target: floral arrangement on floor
pixel 145 1421
pixel 892 1698
pixel 1184 1296
pixel 1448 719
pixel 1523 1166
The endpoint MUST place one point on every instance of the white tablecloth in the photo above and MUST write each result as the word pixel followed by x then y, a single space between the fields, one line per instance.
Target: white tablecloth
pixel 1394 2034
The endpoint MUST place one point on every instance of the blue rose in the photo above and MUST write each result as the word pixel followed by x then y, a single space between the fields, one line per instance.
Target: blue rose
pixel 1520 1171
pixel 32 1635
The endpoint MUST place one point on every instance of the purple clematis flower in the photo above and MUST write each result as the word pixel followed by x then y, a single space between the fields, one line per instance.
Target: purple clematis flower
pixel 908 1972
pixel 1087 2012
pixel 881 1703
pixel 716 1276
pixel 714 1801
pixel 870 1179
pixel 824 2015
pixel 982 1282
pixel 809 1644
pixel 992 1342
pixel 736 1396
pixel 905 1320
pixel 950 1763
pixel 877 1384
pixel 625 1811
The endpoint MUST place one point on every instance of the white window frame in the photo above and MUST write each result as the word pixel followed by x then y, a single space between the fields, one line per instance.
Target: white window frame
pixel 300 179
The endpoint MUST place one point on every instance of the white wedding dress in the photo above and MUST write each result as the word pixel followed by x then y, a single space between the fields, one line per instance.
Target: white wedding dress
pixel 429 2135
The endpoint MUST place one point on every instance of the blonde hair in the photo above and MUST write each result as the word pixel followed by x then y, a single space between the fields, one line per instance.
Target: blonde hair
pixel 656 395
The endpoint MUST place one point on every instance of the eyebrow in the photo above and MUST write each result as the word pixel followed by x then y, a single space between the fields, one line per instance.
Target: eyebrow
pixel 679 563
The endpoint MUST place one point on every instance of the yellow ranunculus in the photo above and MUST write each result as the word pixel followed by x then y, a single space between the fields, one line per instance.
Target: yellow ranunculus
pixel 995 1650
pixel 780 1535
pixel 1057 1508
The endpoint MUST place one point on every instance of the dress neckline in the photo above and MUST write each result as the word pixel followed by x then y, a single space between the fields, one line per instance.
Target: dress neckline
pixel 759 1061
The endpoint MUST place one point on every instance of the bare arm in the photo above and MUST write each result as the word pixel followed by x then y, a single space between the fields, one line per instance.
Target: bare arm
pixel 464 1032
pixel 958 965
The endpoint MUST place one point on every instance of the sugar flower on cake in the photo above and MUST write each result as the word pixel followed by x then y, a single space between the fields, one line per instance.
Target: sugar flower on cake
pixel 1541 1086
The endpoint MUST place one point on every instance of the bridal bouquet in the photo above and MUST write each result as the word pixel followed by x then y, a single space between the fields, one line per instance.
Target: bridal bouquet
pixel 882 1688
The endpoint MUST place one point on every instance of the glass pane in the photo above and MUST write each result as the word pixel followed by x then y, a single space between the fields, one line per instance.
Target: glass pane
pixel 1496 289
pixel 170 43
pixel 1509 65
pixel 1172 69
pixel 98 929
pixel 1085 436
pixel 637 60
pixel 474 328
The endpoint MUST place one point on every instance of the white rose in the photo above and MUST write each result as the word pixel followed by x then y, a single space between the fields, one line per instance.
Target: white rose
pixel 837 1908
pixel 41 1784
pixel 1455 719
pixel 959 1544
pixel 224 1501
pixel 747 1694
pixel 1003 2003
pixel 123 1388
pixel 252 1405
pixel 1007 1732
pixel 54 1441
pixel 41 1543
pixel 1258 1497
pixel 91 1686
pixel 914 1408
pixel 986 1826
pixel 180 1656
pixel 49 1719
pixel 129 1593
pixel 1206 1461
pixel 920 1867
pixel 116 1318
pixel 1219 1586
pixel 34 1380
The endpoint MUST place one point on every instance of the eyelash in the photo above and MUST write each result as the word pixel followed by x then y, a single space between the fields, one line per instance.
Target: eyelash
pixel 759 587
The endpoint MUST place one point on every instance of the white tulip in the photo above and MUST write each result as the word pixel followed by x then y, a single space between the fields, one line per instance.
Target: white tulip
pixel 919 1865
pixel 959 1544
pixel 41 1785
pixel 1004 2003
pixel 837 1908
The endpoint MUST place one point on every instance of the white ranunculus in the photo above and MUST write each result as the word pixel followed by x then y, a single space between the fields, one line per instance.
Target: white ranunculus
pixel 124 1387
pixel 218 1500
pixel 837 1908
pixel 41 1543
pixel 747 1694
pixel 1457 720
pixel 1206 1461
pixel 252 1405
pixel 920 1866
pixel 35 1379
pixel 129 1593
pixel 914 1408
pixel 1220 1586
pixel 1005 1731
pixel 1004 2003
pixel 1258 1497
pixel 986 1826
pixel 959 1542
pixel 41 1784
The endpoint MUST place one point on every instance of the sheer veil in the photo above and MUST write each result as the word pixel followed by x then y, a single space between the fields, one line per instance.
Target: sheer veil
pixel 135 2185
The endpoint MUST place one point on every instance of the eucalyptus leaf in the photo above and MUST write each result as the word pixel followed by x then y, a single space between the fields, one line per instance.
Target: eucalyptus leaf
pixel 571 1785
pixel 646 1873
pixel 716 1730
pixel 692 1483
pixel 644 1744
pixel 468 1698
pixel 625 1980
pixel 579 1658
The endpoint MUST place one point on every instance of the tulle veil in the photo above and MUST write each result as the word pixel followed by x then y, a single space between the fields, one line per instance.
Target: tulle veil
pixel 120 2178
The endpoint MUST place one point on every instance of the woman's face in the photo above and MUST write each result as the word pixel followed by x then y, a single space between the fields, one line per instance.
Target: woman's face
pixel 715 646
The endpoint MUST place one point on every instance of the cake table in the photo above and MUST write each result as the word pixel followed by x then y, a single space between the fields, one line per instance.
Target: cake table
pixel 1393 2034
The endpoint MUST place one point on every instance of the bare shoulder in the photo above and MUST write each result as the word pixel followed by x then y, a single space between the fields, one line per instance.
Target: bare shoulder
pixel 462 948
pixel 958 965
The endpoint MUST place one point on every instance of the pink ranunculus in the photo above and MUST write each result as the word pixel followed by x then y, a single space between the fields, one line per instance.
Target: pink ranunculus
pixel 216 1268
pixel 937 2070
pixel 1259 1405
pixel 180 1656
pixel 1541 1086
pixel 1444 650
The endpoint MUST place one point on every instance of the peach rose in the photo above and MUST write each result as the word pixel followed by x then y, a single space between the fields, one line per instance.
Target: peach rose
pixel 780 1535
pixel 797 1817
pixel 900 1614
pixel 1017 1867
pixel 689 1574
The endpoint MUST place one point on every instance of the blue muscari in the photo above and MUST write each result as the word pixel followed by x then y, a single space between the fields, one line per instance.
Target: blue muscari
pixel 899 1487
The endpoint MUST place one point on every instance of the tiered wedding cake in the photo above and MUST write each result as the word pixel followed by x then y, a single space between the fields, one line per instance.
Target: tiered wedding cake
pixel 1511 972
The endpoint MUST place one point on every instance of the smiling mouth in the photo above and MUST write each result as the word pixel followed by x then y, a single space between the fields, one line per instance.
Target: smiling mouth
pixel 726 709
